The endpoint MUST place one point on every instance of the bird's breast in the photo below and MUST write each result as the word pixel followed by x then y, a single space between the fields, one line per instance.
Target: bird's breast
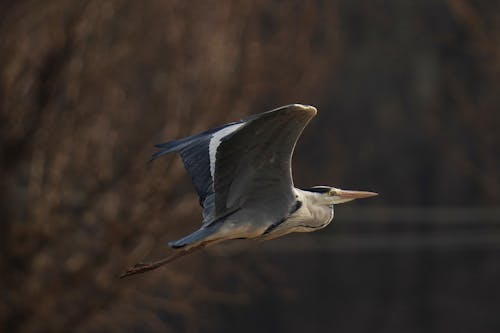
pixel 311 218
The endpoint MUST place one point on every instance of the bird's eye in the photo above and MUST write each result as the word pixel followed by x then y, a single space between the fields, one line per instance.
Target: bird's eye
pixel 332 193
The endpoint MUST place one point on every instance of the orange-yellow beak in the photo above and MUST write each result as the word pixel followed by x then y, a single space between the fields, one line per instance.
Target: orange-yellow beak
pixel 355 194
pixel 342 196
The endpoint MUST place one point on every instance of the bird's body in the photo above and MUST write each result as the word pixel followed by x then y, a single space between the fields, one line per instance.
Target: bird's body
pixel 242 173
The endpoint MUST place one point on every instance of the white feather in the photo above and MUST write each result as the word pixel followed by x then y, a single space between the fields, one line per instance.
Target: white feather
pixel 215 142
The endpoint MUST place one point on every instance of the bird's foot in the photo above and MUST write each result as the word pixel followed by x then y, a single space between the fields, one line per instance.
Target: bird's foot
pixel 139 268
pixel 144 267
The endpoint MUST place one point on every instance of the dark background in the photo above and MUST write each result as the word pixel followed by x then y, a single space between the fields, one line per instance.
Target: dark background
pixel 408 94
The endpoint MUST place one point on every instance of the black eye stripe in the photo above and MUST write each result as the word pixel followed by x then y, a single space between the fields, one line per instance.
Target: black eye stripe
pixel 319 189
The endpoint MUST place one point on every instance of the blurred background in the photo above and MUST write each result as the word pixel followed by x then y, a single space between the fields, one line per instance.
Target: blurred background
pixel 408 94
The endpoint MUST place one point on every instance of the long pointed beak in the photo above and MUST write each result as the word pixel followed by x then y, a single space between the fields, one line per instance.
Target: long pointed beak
pixel 346 194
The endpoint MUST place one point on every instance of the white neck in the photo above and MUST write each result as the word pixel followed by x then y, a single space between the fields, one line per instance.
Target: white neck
pixel 313 198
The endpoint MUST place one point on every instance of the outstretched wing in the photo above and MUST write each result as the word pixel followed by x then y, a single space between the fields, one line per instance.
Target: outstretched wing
pixel 253 163
pixel 196 156
pixel 246 164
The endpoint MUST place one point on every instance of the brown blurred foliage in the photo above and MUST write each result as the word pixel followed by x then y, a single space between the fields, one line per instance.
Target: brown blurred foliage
pixel 86 89
pixel 408 96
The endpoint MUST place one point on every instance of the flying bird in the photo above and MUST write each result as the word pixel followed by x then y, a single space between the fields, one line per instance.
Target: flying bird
pixel 242 173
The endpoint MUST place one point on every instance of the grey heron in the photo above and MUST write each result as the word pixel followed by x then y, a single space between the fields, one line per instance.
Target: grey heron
pixel 242 173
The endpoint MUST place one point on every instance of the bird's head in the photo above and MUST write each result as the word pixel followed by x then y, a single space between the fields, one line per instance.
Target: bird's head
pixel 328 195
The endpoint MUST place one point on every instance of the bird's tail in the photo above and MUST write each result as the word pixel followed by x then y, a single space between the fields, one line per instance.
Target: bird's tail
pixel 196 241
pixel 201 235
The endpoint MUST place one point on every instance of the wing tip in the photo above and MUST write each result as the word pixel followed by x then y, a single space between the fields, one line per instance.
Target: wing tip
pixel 309 108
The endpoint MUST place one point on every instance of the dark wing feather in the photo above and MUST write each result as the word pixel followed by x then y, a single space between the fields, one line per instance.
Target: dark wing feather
pixel 194 151
pixel 253 164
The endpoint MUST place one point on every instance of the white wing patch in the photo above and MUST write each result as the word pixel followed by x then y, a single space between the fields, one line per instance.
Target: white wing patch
pixel 215 142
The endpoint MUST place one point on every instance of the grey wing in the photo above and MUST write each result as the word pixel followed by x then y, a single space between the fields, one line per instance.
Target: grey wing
pixel 245 163
pixel 253 164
